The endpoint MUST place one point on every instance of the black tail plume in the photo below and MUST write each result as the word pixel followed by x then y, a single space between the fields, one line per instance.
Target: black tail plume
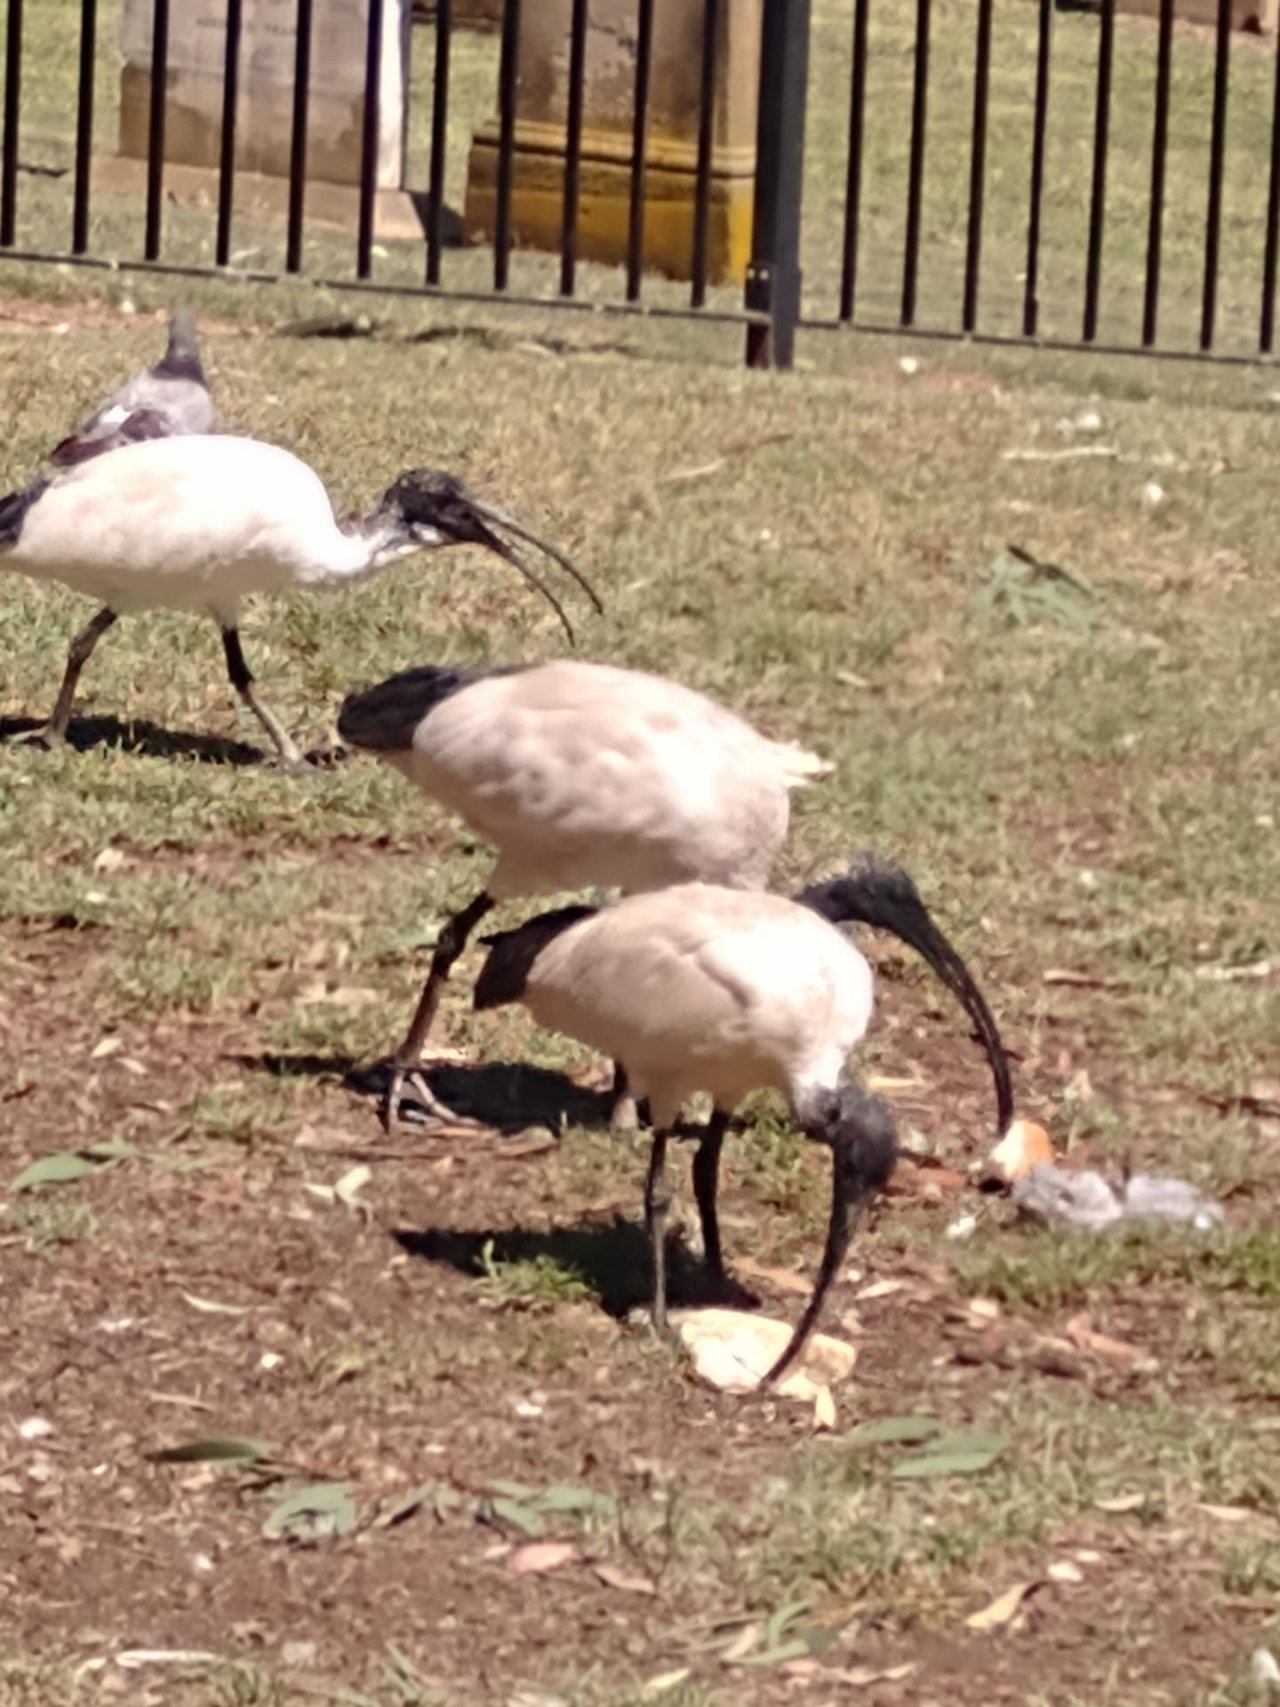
pixel 877 891
pixel 13 511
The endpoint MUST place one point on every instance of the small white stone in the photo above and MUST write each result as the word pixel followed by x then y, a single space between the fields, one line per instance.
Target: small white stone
pixel 962 1227
pixel 35 1428
pixel 909 365
pixel 526 1408
pixel 1153 494
pixel 270 1360
pixel 201 1564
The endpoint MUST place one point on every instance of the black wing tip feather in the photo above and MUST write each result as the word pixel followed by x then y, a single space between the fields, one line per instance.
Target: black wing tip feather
pixel 14 509
pixel 385 718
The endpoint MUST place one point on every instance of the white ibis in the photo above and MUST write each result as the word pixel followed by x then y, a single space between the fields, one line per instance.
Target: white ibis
pixel 581 776
pixel 195 523
pixel 166 400
pixel 700 988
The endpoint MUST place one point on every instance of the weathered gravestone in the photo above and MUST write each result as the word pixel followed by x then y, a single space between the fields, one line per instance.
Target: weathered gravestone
pixel 264 109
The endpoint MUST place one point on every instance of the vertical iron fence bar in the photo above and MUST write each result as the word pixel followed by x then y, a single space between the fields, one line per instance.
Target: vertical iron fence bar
pixel 1217 159
pixel 298 138
pixel 977 166
pixel 12 99
pixel 706 139
pixel 915 173
pixel 853 180
pixel 1159 149
pixel 84 127
pixel 573 146
pixel 155 128
pixel 439 137
pixel 369 142
pixel 227 141
pixel 1098 197
pixel 1039 132
pixel 773 278
pixel 1266 331
pixel 508 76
pixel 639 149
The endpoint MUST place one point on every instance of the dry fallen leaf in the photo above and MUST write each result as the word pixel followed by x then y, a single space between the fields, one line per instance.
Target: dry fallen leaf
pixel 537 1557
pixel 786 1279
pixel 1227 1513
pixel 629 1582
pixel 1001 1611
pixel 881 1289
pixel 824 1409
pixel 1081 1333
pixel 1122 1502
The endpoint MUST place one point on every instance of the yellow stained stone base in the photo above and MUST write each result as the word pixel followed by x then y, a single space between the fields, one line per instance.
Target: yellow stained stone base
pixel 604 206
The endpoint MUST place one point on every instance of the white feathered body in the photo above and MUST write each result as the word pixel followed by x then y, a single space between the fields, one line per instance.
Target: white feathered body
pixel 700 988
pixel 189 523
pixel 586 775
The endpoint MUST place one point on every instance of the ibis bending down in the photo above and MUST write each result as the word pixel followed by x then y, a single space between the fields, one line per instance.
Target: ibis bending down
pixel 196 523
pixel 582 776
pixel 702 988
pixel 164 401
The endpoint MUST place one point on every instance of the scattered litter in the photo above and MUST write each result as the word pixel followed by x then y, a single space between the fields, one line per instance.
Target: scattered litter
pixel 734 1351
pixel 527 1408
pixel 1058 1197
pixel 908 365
pixel 1152 495
pixel 535 1558
pixel 132 1659
pixel 211 1307
pixel 201 1564
pixel 299 1653
pixel 1066 455
pixel 1122 1503
pixel 878 1289
pixel 1065 1572
pixel 35 1428
pixel 628 1582
pixel 1023 1146
pixel 963 1227
pixel 1087 421
pixel 1264 1670
pixel 824 1410
pixel 1003 1610
pixel 665 1682
pixel 270 1360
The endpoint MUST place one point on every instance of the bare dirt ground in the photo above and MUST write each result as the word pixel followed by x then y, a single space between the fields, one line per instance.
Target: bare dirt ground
pixel 193 953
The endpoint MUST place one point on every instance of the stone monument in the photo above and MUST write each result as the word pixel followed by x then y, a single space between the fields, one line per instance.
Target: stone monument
pixel 671 156
pixel 264 108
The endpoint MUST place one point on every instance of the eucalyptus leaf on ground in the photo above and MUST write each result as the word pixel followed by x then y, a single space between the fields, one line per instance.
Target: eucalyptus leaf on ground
pixel 221 1449
pixel 59 1169
pixel 314 1513
pixel 944 1459
pixel 900 1431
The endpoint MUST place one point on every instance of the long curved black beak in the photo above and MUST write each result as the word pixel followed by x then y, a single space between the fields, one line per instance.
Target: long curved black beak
pixel 446 511
pixel 878 892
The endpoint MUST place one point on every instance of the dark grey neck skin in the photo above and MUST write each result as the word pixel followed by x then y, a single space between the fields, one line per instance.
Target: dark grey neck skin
pixel 385 718
pixel 876 891
pixel 504 977
pixel 864 1147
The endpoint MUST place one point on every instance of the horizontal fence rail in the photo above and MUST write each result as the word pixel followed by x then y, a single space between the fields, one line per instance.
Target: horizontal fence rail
pixel 1056 172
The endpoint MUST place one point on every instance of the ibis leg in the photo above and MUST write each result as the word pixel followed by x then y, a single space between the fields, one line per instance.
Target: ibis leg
pixel 657 1201
pixel 623 1116
pixel 78 655
pixel 242 681
pixel 844 1200
pixel 706 1178
pixel 449 945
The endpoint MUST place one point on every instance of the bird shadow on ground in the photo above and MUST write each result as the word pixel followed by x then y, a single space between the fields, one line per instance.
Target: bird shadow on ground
pixel 143 737
pixel 611 1258
pixel 508 1096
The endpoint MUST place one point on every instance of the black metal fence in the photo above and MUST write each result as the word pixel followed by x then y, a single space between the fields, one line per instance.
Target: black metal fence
pixel 1033 173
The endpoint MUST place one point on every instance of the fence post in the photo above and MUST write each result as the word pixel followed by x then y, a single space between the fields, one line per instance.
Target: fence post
pixel 773 277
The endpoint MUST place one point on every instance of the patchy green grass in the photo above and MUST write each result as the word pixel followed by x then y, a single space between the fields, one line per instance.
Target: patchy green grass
pixel 1080 772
